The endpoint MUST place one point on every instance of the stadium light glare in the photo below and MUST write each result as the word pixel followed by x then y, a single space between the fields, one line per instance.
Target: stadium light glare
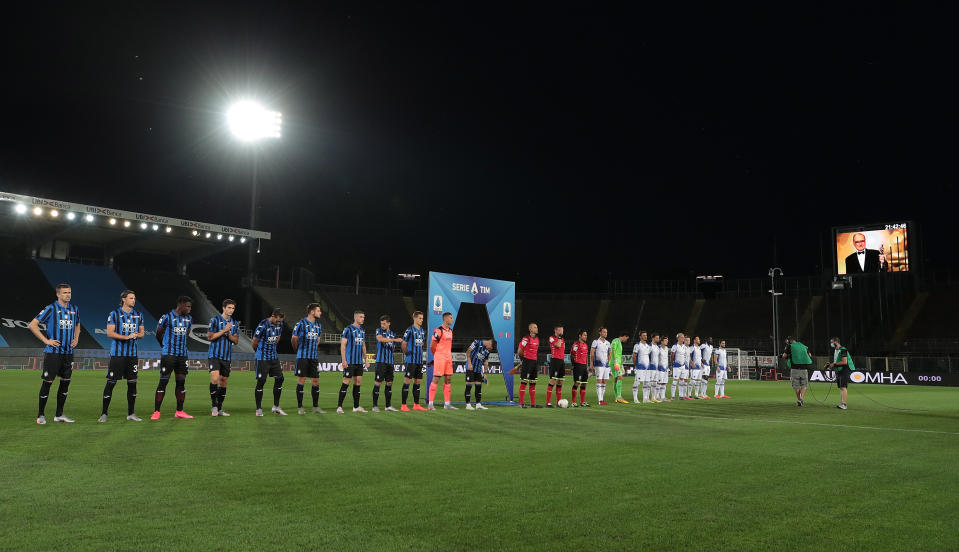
pixel 230 238
pixel 88 218
pixel 37 211
pixel 207 234
pixel 113 222
pixel 195 233
pixel 143 226
pixel 155 227
pixel 20 208
pixel 219 236
pixel 242 240
pixel 54 213
pixel 71 216
pixel 126 224
pixel 249 121
pixel 168 229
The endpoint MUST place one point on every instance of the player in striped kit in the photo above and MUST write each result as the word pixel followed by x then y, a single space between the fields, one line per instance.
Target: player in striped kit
pixel 60 337
pixel 125 328
pixel 679 356
pixel 477 363
pixel 222 333
pixel 172 332
pixel 306 340
pixel 353 353
pixel 707 364
pixel 386 340
pixel 265 339
pixel 413 340
pixel 642 354
pixel 721 370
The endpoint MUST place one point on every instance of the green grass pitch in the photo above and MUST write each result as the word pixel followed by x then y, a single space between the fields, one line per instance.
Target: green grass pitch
pixel 751 473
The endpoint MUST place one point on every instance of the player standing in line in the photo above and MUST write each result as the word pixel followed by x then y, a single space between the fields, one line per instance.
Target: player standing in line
pixel 442 348
pixel 222 334
pixel 654 368
pixel 707 362
pixel 679 357
pixel 664 368
pixel 579 357
pixel 843 365
pixel 62 321
pixel 599 359
pixel 305 341
pixel 172 332
pixel 353 355
pixel 617 365
pixel 557 365
pixel 265 339
pixel 386 340
pixel 477 363
pixel 124 327
pixel 695 370
pixel 642 375
pixel 413 339
pixel 527 351
pixel 720 363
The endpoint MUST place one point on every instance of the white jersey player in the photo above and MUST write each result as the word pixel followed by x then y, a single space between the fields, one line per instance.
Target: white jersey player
pixel 707 364
pixel 695 370
pixel 642 371
pixel 679 355
pixel 653 370
pixel 721 371
pixel 663 368
pixel 599 360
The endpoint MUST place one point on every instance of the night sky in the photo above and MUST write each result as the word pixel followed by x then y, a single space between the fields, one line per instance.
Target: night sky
pixel 551 145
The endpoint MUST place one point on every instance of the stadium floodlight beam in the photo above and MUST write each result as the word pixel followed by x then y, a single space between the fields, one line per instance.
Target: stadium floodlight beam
pixel 54 213
pixel 20 208
pixel 126 224
pixel 113 222
pixel 71 216
pixel 37 211
pixel 88 218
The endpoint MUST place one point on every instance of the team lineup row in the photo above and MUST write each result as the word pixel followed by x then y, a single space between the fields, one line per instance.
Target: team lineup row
pixel 58 327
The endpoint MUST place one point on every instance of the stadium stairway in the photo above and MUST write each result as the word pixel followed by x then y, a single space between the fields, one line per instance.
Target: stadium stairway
pixel 694 315
pixel 26 293
pixel 96 290
pixel 293 303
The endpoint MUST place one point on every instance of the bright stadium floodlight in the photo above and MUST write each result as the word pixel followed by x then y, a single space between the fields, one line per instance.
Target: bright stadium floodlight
pixel 71 216
pixel 88 218
pixel 54 213
pixel 113 222
pixel 20 208
pixel 249 121
pixel 230 238
pixel 207 235
pixel 37 211
pixel 155 227
pixel 143 226
pixel 126 224
pixel 242 240
pixel 195 233
pixel 219 236
pixel 168 229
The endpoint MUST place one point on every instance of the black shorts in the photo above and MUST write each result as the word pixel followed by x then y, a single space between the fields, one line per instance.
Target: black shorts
pixel 557 368
pixel 307 368
pixel 528 370
pixel 57 365
pixel 221 366
pixel 414 371
pixel 472 376
pixel 384 372
pixel 353 371
pixel 843 377
pixel 269 368
pixel 122 367
pixel 580 373
pixel 175 364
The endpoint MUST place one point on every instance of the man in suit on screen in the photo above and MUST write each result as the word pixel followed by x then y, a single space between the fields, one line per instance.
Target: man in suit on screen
pixel 864 260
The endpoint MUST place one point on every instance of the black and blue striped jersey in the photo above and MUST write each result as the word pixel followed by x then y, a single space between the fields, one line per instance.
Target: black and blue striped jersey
pixel 61 324
pixel 478 354
pixel 384 351
pixel 308 337
pixel 221 347
pixel 414 338
pixel 354 337
pixel 124 323
pixel 175 331
pixel 269 336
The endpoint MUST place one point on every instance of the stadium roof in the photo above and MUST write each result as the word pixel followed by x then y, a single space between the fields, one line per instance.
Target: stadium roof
pixel 115 229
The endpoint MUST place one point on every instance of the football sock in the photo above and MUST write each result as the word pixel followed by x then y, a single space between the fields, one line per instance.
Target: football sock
pixel 180 392
pixel 107 394
pixel 62 395
pixel 315 394
pixel 131 396
pixel 343 389
pixel 161 392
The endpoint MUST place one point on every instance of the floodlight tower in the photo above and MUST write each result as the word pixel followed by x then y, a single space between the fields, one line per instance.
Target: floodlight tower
pixel 250 123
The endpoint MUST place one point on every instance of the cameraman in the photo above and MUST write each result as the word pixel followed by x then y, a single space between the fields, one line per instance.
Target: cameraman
pixel 797 355
pixel 842 363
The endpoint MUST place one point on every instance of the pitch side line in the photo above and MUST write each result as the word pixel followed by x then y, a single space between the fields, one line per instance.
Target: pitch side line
pixel 806 423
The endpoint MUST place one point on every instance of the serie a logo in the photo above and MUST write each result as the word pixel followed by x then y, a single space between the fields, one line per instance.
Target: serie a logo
pixel 507 310
pixel 437 304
